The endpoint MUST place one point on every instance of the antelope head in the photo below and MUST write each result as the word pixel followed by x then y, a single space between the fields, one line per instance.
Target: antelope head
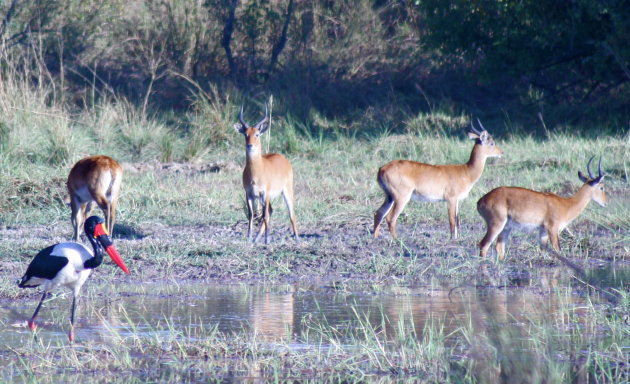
pixel 485 140
pixel 252 133
pixel 599 194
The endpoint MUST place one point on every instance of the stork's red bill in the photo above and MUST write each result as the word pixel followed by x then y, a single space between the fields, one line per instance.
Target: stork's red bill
pixel 101 230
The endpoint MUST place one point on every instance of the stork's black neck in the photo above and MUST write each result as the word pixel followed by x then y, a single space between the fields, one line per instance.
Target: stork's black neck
pixel 98 254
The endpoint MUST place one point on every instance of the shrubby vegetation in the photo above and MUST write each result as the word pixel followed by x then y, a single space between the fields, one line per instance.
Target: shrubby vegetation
pixel 366 65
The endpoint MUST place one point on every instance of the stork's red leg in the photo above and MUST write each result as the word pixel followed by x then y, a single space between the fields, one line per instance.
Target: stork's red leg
pixel 71 333
pixel 31 322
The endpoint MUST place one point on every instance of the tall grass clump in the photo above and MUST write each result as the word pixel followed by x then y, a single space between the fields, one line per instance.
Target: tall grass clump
pixel 32 128
pixel 209 123
pixel 121 130
pixel 437 123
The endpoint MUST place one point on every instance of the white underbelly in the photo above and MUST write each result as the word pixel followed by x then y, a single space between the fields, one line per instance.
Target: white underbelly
pixel 259 192
pixel 83 195
pixel 426 198
pixel 256 191
pixel 524 227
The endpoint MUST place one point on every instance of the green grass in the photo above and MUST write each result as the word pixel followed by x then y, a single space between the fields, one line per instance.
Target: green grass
pixel 170 211
pixel 335 169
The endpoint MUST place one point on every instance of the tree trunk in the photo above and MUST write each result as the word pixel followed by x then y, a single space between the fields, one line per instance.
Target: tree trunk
pixel 228 29
pixel 282 41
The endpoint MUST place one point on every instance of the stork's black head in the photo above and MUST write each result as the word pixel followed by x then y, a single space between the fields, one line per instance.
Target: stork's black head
pixel 96 231
pixel 91 224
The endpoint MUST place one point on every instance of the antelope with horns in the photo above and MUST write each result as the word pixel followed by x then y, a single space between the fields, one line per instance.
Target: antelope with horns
pixel 94 179
pixel 508 208
pixel 264 177
pixel 403 179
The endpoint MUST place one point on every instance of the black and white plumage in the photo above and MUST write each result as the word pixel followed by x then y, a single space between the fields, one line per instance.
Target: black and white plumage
pixel 69 265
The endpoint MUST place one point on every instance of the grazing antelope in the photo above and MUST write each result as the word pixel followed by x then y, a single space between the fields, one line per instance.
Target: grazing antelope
pixel 69 265
pixel 264 177
pixel 94 179
pixel 403 179
pixel 508 208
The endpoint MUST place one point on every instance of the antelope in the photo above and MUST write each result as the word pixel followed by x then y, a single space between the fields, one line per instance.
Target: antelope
pixel 264 177
pixel 94 179
pixel 508 208
pixel 403 179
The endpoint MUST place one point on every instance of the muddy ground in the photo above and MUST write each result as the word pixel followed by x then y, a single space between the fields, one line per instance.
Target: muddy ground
pixel 330 253
pixel 337 249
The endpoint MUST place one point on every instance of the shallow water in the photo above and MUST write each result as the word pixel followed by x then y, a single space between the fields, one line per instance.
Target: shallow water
pixel 276 313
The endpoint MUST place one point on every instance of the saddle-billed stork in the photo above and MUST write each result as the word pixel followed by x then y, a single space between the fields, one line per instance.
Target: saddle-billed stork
pixel 70 264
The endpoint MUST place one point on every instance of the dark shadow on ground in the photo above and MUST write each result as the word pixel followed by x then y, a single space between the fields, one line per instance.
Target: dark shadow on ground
pixel 310 236
pixel 123 231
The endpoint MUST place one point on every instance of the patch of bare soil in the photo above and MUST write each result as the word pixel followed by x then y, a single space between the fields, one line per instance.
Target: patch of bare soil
pixel 330 251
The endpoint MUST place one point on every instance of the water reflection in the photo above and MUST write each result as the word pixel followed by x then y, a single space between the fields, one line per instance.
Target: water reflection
pixel 276 312
pixel 271 314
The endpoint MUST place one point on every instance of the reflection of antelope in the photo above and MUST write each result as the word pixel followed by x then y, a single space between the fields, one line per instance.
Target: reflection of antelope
pixel 506 208
pixel 265 176
pixel 487 318
pixel 271 314
pixel 403 179
pixel 451 309
pixel 94 179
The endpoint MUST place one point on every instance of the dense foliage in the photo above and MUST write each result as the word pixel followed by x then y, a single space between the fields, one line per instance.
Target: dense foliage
pixel 568 59
pixel 568 51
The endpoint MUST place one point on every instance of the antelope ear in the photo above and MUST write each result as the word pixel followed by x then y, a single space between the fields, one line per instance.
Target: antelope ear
pixel 238 127
pixel 263 126
pixel 583 178
pixel 484 137
pixel 472 135
pixel 596 180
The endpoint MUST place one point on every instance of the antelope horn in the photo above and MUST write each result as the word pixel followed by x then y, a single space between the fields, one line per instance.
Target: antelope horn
pixel 481 125
pixel 264 119
pixel 599 168
pixel 588 167
pixel 240 117
pixel 472 128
